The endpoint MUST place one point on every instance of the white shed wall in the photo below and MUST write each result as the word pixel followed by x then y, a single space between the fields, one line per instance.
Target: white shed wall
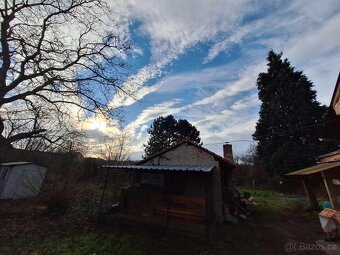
pixel 23 181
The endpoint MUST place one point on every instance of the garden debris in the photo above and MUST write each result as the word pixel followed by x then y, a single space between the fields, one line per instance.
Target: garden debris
pixel 328 213
pixel 239 206
pixel 328 224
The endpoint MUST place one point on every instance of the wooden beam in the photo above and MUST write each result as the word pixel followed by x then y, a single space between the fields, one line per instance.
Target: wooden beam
pixel 310 193
pixel 327 188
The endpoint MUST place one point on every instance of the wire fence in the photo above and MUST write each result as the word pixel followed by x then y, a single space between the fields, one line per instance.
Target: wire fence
pixel 169 200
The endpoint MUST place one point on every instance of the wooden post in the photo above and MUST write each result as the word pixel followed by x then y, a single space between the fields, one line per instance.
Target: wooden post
pixel 327 188
pixel 310 194
pixel 207 204
pixel 167 196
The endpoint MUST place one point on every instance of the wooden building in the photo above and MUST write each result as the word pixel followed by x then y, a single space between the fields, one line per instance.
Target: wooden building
pixel 182 187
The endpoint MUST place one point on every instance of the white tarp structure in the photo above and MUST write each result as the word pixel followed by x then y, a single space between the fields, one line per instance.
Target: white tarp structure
pixel 21 179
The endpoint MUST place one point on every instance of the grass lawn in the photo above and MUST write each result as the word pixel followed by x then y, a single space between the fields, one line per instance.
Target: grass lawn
pixel 275 223
pixel 270 200
pixel 275 203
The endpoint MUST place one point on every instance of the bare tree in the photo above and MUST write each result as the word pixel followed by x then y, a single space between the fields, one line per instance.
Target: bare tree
pixel 60 58
pixel 61 134
pixel 116 148
pixel 248 158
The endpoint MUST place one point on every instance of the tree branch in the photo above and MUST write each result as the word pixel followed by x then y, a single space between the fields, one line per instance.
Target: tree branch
pixel 25 135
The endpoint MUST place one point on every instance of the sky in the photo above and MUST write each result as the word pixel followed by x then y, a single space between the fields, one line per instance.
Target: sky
pixel 199 60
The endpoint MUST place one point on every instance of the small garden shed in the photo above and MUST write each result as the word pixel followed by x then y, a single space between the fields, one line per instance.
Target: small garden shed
pixel 20 179
pixel 181 187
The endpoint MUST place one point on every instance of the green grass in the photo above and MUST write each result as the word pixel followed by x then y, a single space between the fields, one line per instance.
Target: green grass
pixel 273 205
pixel 267 199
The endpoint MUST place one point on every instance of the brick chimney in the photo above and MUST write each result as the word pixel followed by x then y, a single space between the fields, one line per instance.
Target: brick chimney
pixel 228 152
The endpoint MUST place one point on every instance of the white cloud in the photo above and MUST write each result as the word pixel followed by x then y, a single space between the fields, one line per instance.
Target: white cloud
pixel 134 95
pixel 175 25
pixel 245 103
pixel 236 37
pixel 224 45
pixel 232 123
pixel 137 128
pixel 323 72
pixel 237 122
pixel 298 28
pixel 246 81
pixel 132 89
pixel 151 113
pixel 320 41
pixel 306 31
pixel 317 53
pixel 214 77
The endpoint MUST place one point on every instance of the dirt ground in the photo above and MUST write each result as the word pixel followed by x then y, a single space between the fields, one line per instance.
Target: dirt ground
pixel 283 233
pixel 26 229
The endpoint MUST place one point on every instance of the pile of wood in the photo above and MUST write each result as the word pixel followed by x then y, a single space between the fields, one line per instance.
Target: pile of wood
pixel 192 208
pixel 235 206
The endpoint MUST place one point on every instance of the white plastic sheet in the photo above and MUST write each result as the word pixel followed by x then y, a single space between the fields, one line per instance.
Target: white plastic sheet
pixel 328 225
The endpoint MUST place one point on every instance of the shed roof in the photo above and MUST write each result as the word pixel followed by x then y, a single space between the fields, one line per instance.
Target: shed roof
pixel 217 157
pixel 315 169
pixel 16 163
pixel 329 154
pixel 19 163
pixel 181 168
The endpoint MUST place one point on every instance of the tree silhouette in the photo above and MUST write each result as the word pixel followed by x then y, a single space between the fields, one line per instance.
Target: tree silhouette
pixel 166 131
pixel 288 115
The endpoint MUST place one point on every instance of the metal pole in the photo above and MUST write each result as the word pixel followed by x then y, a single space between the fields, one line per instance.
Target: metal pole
pixel 104 189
